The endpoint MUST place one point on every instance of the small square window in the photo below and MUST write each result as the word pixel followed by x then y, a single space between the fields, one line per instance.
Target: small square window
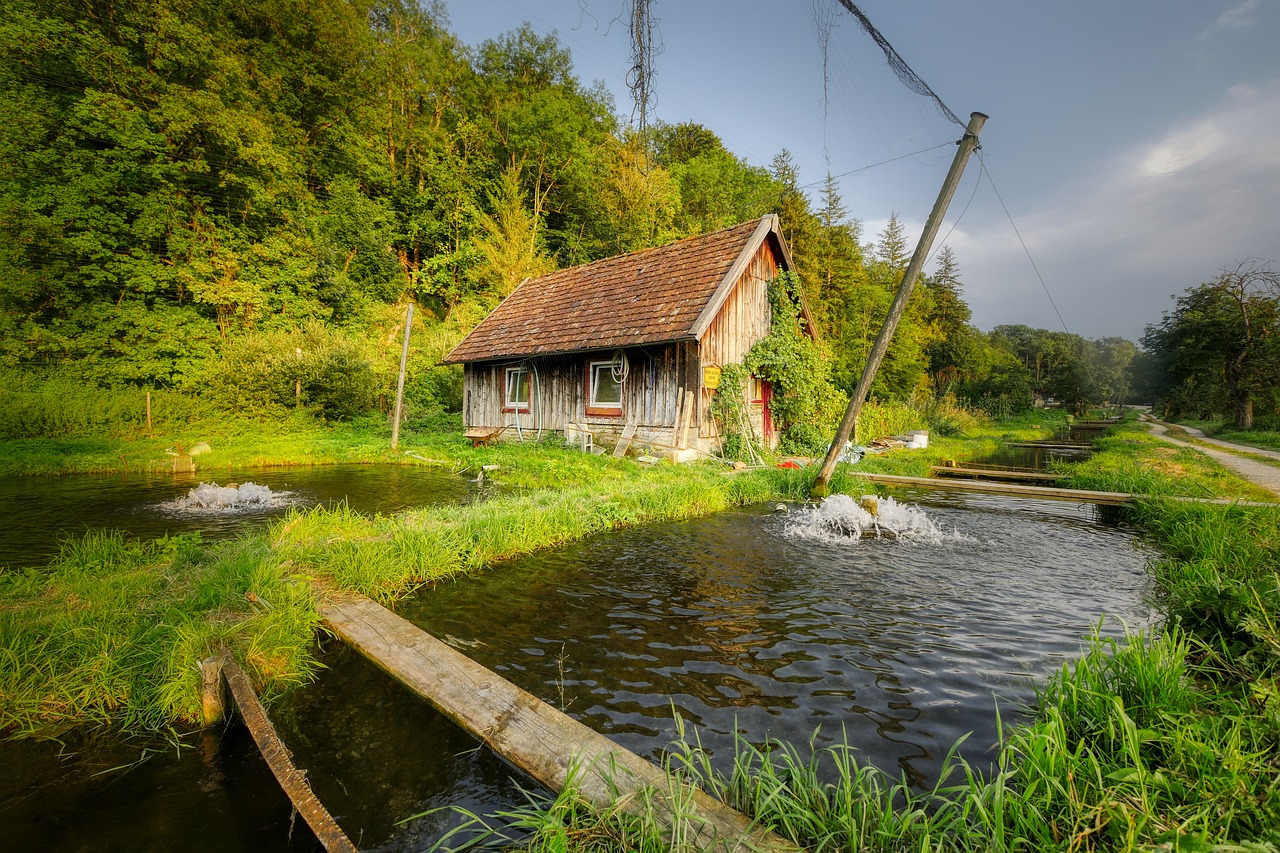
pixel 605 389
pixel 517 384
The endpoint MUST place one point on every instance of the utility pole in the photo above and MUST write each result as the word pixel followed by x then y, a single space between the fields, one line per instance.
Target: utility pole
pixel 849 423
pixel 404 360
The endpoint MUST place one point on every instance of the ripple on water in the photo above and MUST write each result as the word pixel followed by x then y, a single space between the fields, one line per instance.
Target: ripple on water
pixel 775 624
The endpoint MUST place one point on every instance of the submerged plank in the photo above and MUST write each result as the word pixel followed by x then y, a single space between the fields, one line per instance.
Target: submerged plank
pixel 546 744
pixel 291 779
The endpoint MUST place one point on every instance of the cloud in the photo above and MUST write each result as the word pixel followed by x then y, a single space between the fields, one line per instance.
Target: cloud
pixel 1157 218
pixel 1238 17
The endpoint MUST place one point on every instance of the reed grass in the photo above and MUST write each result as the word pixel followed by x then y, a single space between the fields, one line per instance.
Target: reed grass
pixel 114 629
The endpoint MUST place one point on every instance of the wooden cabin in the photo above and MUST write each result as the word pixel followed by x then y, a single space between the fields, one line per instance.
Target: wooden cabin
pixel 627 349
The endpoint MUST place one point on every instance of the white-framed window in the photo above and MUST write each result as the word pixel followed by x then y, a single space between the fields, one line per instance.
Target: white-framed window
pixel 604 389
pixel 517 389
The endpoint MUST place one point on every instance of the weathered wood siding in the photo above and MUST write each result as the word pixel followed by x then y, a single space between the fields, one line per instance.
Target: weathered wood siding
pixel 558 394
pixel 744 319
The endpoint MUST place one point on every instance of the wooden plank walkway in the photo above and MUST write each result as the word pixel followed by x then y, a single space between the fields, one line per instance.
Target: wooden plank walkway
pixel 546 744
pixel 1018 490
pixel 291 779
pixel 996 474
pixel 1052 445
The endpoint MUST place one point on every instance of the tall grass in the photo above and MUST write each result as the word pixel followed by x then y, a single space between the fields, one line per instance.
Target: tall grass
pixel 386 557
pixel 113 630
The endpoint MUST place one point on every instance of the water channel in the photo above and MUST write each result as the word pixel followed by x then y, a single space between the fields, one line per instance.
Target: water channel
pixel 752 621
pixel 150 504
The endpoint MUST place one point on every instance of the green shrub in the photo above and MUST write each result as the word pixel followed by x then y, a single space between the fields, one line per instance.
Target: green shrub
pixel 31 407
pixel 315 367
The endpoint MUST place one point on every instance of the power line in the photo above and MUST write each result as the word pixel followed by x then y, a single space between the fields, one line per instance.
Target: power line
pixel 909 78
pixel 983 161
pixel 881 163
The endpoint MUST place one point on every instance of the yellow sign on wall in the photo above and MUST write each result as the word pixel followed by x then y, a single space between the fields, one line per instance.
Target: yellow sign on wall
pixel 711 377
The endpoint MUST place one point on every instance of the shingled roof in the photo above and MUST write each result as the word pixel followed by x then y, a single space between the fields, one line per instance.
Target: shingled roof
pixel 659 295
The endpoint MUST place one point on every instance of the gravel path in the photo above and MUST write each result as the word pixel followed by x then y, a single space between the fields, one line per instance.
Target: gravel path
pixel 1255 471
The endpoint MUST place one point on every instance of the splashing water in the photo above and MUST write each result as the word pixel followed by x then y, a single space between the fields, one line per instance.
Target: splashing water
pixel 245 497
pixel 841 517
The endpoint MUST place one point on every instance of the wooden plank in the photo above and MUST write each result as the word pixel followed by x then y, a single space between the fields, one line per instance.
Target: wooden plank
pixel 628 432
pixel 543 742
pixel 1041 492
pixel 293 780
pixel 1010 489
pixel 681 412
pixel 1045 445
pixel 690 415
pixel 995 474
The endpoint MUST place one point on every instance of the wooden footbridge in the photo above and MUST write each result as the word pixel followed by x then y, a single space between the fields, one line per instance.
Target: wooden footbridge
pixel 546 744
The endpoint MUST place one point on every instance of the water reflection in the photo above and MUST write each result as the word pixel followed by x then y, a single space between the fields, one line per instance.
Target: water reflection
pixel 40 511
pixel 904 645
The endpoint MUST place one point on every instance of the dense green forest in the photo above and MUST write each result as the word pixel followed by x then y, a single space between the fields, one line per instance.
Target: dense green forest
pixel 236 201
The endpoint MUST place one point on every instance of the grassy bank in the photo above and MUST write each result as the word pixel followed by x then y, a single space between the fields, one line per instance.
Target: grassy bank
pixel 1165 739
pixel 1130 459
pixel 1265 435
pixel 111 630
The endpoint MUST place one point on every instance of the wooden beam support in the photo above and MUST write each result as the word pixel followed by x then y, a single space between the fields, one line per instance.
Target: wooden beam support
pixel 293 780
pixel 213 705
pixel 541 741
pixel 994 474
pixel 691 413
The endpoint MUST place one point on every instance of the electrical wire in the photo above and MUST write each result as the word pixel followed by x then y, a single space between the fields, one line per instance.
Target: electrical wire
pixel 983 161
pixel 940 243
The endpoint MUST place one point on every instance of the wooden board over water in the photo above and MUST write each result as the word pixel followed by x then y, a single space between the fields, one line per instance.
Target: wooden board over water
pixel 998 474
pixel 546 744
pixel 1023 491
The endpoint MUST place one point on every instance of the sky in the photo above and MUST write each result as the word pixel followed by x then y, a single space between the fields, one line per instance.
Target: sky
pixel 1132 148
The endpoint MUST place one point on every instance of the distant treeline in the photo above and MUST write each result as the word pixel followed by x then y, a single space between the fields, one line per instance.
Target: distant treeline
pixel 238 200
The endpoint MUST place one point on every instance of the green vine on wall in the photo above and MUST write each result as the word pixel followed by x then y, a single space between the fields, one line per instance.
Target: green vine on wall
pixel 729 407
pixel 805 404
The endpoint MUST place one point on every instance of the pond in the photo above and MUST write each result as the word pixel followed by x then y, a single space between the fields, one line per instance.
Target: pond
pixel 149 505
pixel 750 621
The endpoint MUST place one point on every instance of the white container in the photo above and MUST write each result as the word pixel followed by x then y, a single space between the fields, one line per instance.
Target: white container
pixel 919 439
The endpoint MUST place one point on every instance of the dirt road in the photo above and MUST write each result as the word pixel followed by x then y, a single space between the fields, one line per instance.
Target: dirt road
pixel 1262 473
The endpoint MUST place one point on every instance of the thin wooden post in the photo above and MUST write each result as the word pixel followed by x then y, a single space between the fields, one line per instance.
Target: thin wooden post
pixel 675 429
pixel 404 360
pixel 148 412
pixel 849 423
pixel 212 698
pixel 293 780
pixel 690 415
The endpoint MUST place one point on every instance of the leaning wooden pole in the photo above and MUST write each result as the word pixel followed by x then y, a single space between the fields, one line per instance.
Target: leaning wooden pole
pixel 967 144
pixel 404 361
pixel 291 779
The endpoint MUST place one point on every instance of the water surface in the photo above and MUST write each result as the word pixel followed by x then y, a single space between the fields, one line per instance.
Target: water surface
pixel 739 622
pixel 40 511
